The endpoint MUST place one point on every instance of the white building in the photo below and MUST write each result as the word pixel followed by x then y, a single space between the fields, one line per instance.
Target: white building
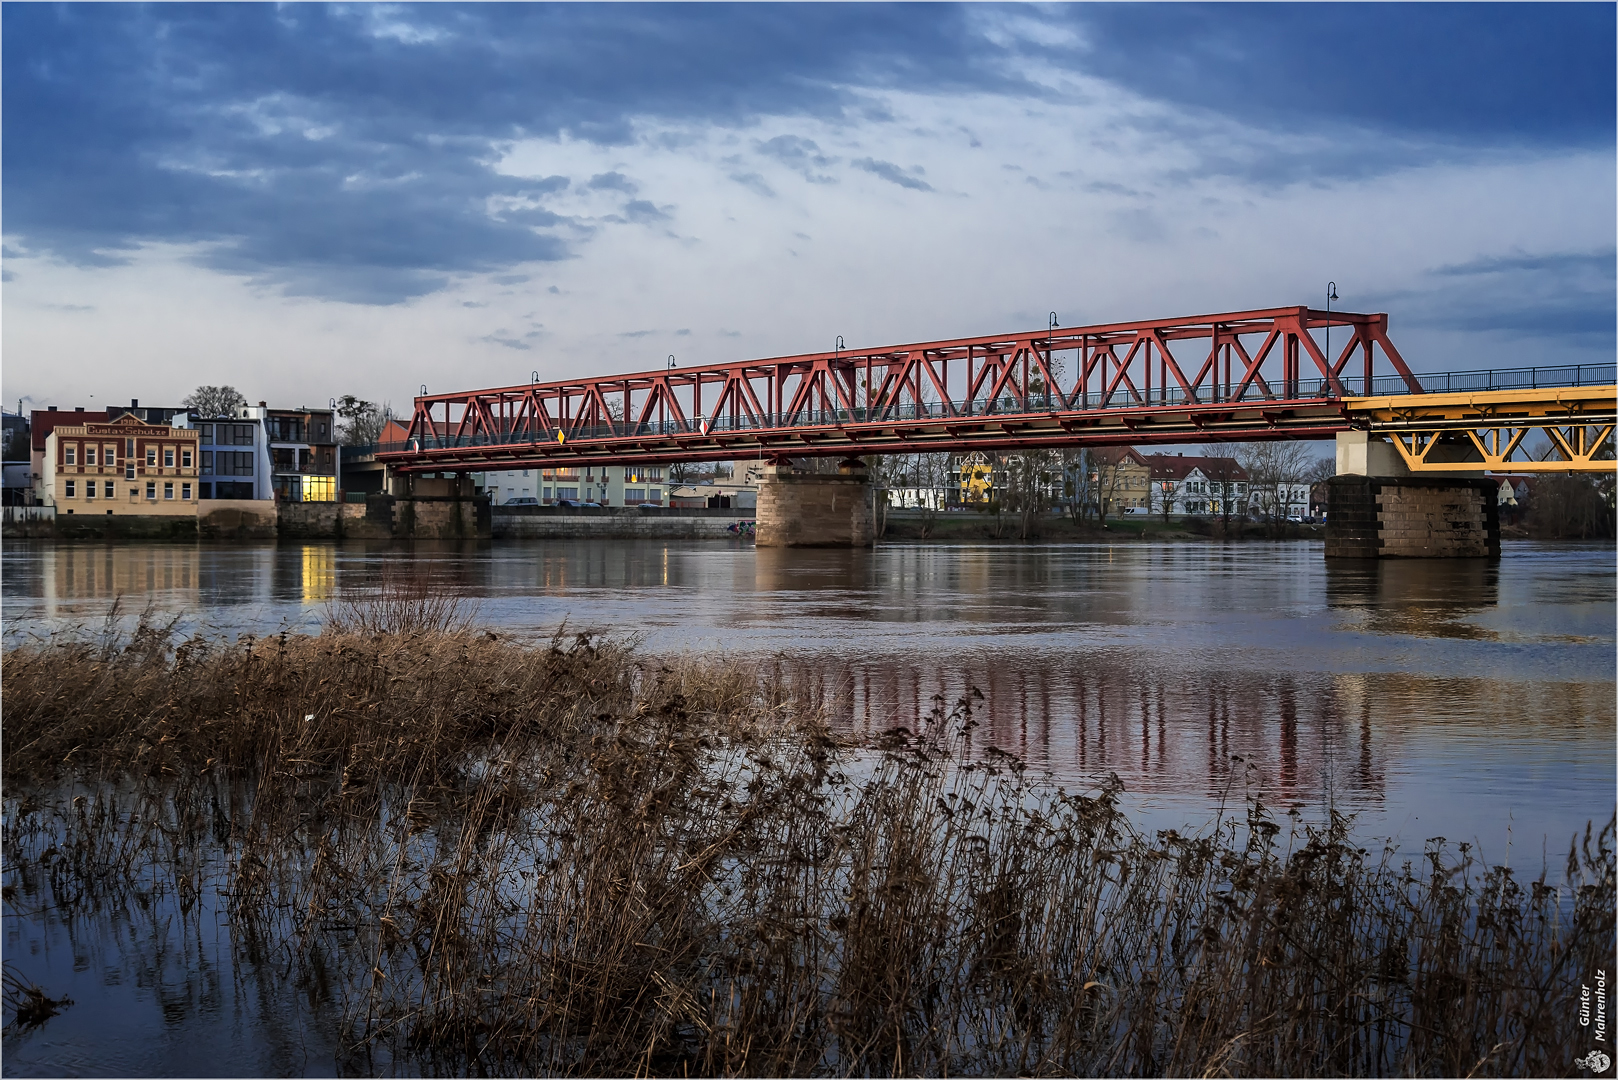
pixel 608 485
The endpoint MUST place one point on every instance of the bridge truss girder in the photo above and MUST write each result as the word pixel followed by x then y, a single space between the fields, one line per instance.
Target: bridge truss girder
pixel 1233 376
pixel 1490 431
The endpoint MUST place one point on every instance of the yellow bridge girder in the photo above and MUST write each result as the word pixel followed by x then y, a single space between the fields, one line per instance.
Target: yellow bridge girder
pixel 1486 430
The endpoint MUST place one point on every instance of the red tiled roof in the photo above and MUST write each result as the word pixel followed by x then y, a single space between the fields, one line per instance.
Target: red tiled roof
pixel 1178 467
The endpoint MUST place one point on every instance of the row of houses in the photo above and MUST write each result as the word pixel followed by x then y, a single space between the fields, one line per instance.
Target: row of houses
pixel 166 461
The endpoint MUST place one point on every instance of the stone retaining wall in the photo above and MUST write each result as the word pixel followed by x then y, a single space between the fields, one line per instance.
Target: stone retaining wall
pixel 613 522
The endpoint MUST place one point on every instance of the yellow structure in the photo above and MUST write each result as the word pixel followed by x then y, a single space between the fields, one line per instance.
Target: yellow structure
pixel 1484 431
pixel 977 480
pixel 123 466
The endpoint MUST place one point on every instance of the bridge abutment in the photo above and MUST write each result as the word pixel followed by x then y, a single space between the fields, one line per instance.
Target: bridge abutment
pixel 1377 509
pixel 797 509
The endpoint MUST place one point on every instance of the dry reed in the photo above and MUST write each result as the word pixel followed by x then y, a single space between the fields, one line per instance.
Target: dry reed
pixel 556 857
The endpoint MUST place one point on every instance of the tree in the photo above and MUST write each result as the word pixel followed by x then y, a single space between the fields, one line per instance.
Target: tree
pixel 1222 469
pixel 1273 468
pixel 209 401
pixel 363 421
pixel 1029 478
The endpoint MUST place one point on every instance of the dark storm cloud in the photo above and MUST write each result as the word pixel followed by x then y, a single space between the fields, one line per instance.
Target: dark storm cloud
pixel 349 152
pixel 1567 296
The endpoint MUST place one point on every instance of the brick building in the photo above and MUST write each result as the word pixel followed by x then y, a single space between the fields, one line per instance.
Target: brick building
pixel 121 466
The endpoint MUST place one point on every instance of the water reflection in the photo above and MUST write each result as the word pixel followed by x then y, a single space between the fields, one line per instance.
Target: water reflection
pixel 1437 695
pixel 1427 597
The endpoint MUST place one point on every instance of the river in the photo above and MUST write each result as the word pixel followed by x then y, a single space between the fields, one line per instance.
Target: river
pixel 1428 698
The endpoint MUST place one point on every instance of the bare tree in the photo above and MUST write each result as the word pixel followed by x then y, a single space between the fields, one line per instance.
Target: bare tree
pixel 363 421
pixel 1273 468
pixel 210 401
pixel 1077 484
pixel 1224 480
pixel 1030 476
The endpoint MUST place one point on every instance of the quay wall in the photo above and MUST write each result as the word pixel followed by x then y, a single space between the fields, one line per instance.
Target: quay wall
pixel 613 522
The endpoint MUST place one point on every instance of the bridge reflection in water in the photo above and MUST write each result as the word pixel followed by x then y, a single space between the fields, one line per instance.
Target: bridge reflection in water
pixel 1437 696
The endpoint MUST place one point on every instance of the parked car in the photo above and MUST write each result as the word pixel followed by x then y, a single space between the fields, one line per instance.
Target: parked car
pixel 523 500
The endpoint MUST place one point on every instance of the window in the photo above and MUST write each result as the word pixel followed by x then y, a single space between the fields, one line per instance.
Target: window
pixel 89 455
pixel 106 489
pixel 151 457
pixel 168 457
pixel 129 448
pixel 185 459
pixel 319 489
pixel 185 492
pixel 233 462
pixel 207 461
pixel 207 433
pixel 634 495
pixel 151 489
pixel 68 456
pixel 89 489
pixel 69 489
pixel 168 489
pixel 547 492
pixel 109 455
pixel 567 493
pixel 240 434
pixel 129 468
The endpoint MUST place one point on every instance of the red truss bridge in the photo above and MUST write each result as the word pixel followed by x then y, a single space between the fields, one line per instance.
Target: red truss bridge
pixel 1290 372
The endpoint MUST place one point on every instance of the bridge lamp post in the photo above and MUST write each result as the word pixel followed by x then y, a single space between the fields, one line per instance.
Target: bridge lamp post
pixel 1331 294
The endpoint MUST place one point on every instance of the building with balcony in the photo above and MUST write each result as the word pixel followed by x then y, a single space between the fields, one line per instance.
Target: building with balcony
pixel 303 461
pixel 121 466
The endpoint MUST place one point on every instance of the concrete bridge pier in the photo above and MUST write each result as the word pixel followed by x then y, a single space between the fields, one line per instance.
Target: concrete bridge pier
pixel 799 509
pixel 1377 509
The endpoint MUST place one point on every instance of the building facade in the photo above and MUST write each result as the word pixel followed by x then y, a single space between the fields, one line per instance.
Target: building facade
pixel 304 463
pixel 121 466
pixel 608 485
pixel 1199 486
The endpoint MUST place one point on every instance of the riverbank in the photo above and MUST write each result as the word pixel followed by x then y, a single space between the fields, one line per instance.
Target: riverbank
pixel 978 527
pixel 561 856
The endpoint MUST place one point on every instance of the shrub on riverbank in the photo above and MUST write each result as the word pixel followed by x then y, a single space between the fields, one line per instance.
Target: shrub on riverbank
pixel 557 857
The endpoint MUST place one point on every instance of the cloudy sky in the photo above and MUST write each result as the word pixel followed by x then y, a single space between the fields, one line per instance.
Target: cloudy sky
pixel 309 201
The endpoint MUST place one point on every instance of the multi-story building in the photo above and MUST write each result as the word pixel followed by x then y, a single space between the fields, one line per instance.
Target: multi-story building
pixel 609 485
pixel 234 456
pixel 1118 479
pixel 121 466
pixel 41 422
pixel 304 464
pixel 1198 485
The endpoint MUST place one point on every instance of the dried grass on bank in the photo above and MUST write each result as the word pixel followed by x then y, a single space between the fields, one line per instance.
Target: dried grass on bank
pixel 557 858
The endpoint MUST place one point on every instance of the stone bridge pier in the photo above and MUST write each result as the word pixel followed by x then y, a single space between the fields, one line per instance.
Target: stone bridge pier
pixel 1377 509
pixel 802 509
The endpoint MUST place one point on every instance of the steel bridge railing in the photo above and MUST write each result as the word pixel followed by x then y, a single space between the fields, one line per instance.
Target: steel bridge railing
pixel 1301 391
